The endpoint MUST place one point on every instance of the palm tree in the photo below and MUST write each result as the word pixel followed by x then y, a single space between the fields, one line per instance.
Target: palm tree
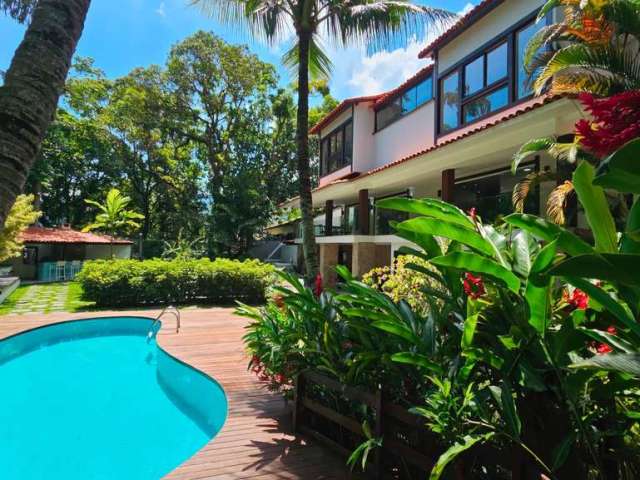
pixel 32 85
pixel 114 218
pixel 374 23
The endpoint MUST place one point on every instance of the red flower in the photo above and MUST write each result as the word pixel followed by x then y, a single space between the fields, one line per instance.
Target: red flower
pixel 280 379
pixel 603 349
pixel 616 121
pixel 318 287
pixel 579 299
pixel 473 286
pixel 473 213
pixel 612 330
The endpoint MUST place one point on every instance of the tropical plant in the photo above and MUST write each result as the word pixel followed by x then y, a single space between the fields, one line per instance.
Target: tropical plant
pixel 376 23
pixel 22 214
pixel 184 248
pixel 32 86
pixel 114 217
pixel 598 48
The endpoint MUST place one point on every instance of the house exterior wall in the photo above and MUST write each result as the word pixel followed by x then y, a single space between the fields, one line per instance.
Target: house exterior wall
pixel 408 135
pixel 484 30
pixel 364 149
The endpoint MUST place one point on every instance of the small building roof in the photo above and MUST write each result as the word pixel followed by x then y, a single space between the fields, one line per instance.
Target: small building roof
pixel 66 235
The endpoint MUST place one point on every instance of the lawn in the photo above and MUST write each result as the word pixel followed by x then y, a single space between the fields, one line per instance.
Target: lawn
pixel 45 298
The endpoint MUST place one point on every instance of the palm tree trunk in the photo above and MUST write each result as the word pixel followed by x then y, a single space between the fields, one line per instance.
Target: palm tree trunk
pixel 304 171
pixel 32 86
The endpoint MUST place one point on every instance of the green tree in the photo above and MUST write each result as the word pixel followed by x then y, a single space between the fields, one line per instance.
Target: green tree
pixel 21 215
pixel 370 22
pixel 32 86
pixel 114 217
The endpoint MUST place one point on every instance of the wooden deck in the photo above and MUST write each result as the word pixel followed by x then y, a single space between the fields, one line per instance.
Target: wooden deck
pixel 254 442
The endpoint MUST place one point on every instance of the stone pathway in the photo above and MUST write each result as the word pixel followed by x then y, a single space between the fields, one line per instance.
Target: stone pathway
pixel 43 299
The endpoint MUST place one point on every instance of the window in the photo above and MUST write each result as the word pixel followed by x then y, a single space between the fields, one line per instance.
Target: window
pixel 490 79
pixel 336 149
pixel 450 103
pixel 486 104
pixel 474 76
pixel 497 60
pixel 406 103
pixel 523 37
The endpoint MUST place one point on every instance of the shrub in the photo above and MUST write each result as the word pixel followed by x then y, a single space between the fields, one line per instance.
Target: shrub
pixel 403 282
pixel 131 282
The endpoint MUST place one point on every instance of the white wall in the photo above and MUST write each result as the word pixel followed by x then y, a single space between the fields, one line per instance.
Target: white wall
pixel 339 120
pixel 484 30
pixel 409 135
pixel 363 144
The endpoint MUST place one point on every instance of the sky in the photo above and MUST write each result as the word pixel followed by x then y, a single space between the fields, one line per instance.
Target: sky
pixel 123 34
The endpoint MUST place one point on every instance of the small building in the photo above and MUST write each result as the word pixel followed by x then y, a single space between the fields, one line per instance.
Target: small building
pixel 57 254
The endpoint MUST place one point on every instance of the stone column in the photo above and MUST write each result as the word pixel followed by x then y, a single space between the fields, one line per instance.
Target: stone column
pixel 448 185
pixel 328 262
pixel 367 256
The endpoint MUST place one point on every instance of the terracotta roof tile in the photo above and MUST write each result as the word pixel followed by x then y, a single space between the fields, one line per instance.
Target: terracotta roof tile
pixel 466 20
pixel 68 235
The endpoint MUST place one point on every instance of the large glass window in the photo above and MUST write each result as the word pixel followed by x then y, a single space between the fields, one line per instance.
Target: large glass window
pixel 337 149
pixel 482 106
pixel 497 60
pixel 523 37
pixel 491 79
pixel 474 76
pixel 406 103
pixel 450 103
pixel 491 194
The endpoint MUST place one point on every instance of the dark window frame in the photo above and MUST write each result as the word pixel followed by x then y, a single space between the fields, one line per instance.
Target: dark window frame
pixel 509 37
pixel 400 95
pixel 342 128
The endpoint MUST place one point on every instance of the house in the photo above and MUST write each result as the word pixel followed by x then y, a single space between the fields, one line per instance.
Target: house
pixel 448 132
pixel 57 254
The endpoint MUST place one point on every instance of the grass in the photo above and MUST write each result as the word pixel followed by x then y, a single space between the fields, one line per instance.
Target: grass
pixel 45 298
pixel 9 304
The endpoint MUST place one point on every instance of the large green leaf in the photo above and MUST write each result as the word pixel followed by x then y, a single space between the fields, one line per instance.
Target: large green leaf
pixel 603 298
pixel 427 243
pixel 621 170
pixel 432 226
pixel 469 331
pixel 631 239
pixel 417 360
pixel 429 207
pixel 538 290
pixel 539 227
pixel 596 208
pixel 475 263
pixel 618 268
pixel 612 340
pixel 623 362
pixel 509 412
pixel 397 329
pixel 456 449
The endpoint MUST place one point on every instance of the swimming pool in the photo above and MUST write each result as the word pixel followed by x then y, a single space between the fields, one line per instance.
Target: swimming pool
pixel 92 399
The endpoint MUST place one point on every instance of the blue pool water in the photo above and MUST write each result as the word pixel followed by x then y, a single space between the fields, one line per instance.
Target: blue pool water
pixel 94 400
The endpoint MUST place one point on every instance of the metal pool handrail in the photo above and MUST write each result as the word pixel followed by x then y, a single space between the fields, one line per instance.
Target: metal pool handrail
pixel 169 309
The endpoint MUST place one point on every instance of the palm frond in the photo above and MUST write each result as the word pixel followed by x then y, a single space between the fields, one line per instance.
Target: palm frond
pixel 525 186
pixel 320 64
pixel 557 202
pixel 530 148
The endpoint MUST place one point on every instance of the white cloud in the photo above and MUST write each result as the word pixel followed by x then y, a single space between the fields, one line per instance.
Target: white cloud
pixel 161 10
pixel 466 9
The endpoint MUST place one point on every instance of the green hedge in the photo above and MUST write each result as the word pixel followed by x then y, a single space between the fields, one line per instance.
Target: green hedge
pixel 132 282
